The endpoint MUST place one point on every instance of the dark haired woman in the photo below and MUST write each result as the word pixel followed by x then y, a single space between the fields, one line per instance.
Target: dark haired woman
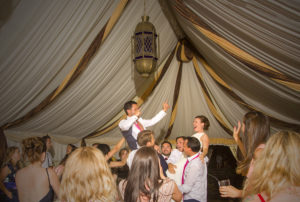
pixel 146 181
pixel 35 183
pixel 201 123
pixel 256 129
pixel 60 168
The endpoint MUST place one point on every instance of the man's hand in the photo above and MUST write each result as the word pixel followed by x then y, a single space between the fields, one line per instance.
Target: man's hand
pixel 166 106
pixel 137 113
pixel 171 168
pixel 236 132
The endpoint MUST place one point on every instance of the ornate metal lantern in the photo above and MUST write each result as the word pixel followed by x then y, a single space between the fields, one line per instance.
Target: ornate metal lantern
pixel 145 42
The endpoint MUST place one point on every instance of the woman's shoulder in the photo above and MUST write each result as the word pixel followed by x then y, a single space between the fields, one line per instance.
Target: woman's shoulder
pixel 122 185
pixel 290 194
pixel 258 150
pixel 167 186
pixel 200 135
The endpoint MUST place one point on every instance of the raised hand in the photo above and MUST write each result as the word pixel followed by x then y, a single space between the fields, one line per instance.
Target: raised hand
pixel 166 106
pixel 137 113
pixel 236 132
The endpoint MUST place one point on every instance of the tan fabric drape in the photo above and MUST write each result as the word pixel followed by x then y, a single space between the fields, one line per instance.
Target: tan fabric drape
pixel 101 90
pixel 260 66
pixel 76 71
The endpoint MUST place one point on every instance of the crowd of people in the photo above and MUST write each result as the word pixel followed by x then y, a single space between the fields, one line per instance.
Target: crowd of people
pixel 147 172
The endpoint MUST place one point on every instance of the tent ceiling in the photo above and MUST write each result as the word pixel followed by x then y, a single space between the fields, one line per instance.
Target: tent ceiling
pixel 252 46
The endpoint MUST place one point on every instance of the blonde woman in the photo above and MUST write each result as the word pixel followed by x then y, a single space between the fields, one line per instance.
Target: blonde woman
pixel 35 183
pixel 276 175
pixel 87 177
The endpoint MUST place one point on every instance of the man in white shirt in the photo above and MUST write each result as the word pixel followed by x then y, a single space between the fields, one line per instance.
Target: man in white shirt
pixel 166 149
pixel 176 154
pixel 48 158
pixel 176 161
pixel 194 178
pixel 133 124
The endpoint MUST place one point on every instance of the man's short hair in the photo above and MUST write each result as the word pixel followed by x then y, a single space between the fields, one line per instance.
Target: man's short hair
pixel 166 142
pixel 183 137
pixel 104 148
pixel 128 105
pixel 144 137
pixel 45 138
pixel 193 143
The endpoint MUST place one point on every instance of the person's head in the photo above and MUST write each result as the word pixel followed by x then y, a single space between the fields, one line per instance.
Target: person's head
pixel 104 148
pixel 13 155
pixel 48 142
pixel 144 175
pixel 131 108
pixel 166 148
pixel 256 129
pixel 191 146
pixel 277 168
pixel 87 177
pixel 146 138
pixel 201 123
pixel 95 145
pixel 123 153
pixel 180 143
pixel 70 148
pixel 34 149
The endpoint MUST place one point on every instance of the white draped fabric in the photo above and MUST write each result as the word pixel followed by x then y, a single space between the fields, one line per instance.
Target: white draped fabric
pixel 103 88
pixel 40 44
pixel 42 41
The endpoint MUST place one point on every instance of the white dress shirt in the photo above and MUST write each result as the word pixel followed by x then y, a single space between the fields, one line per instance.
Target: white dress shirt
pixel 130 158
pixel 48 161
pixel 195 180
pixel 178 159
pixel 175 156
pixel 125 124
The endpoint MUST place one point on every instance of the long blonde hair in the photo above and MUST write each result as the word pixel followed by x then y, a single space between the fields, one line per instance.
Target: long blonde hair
pixel 87 177
pixel 277 168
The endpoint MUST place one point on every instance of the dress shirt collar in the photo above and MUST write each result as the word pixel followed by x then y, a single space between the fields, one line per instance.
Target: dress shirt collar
pixel 192 157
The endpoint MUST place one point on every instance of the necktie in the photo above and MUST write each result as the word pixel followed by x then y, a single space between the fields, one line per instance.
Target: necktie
pixel 185 165
pixel 139 125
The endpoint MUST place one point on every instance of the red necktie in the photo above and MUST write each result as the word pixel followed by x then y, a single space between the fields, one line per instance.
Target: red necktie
pixel 185 165
pixel 139 125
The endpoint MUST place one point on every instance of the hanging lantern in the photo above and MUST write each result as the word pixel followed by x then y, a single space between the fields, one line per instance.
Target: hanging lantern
pixel 144 44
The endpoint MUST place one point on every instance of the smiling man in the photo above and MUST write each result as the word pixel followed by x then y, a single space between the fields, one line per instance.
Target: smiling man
pixel 166 149
pixel 133 124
